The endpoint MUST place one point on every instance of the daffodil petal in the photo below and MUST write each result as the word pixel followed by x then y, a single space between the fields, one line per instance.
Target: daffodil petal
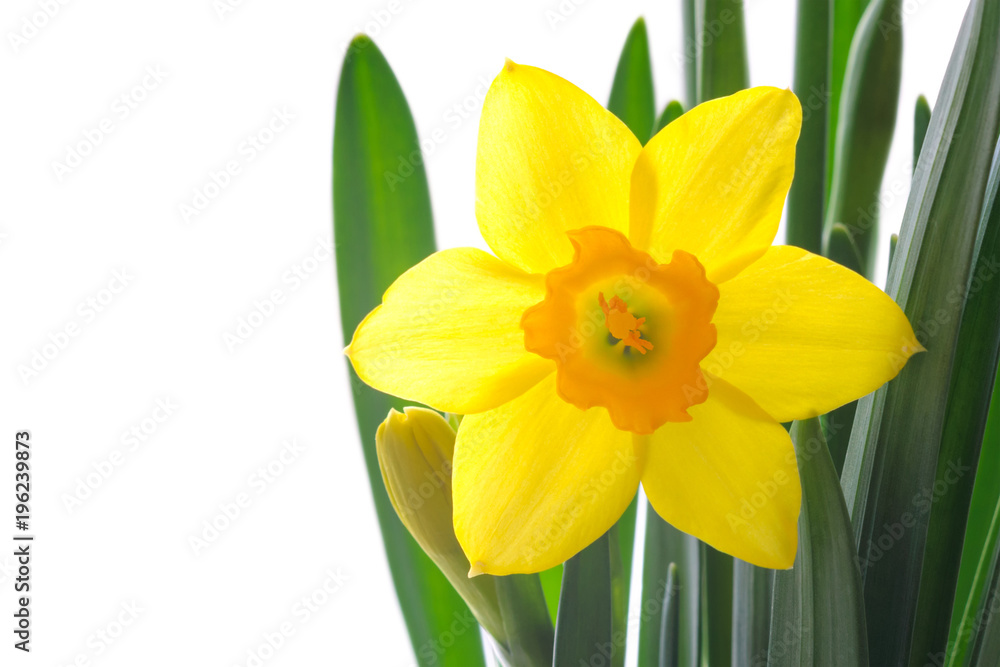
pixel 728 477
pixel 802 335
pixel 713 182
pixel 537 480
pixel 448 334
pixel 550 159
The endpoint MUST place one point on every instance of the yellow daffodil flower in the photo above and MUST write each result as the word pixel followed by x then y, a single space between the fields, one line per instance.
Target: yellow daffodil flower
pixel 635 325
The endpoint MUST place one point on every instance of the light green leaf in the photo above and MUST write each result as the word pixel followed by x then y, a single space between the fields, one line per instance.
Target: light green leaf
pixel 921 119
pixel 818 615
pixel 671 112
pixel 382 228
pixel 984 648
pixel 893 460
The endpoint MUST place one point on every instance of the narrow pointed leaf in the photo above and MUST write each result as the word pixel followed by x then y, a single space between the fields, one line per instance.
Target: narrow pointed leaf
pixel 690 54
pixel 551 585
pixel 807 197
pixel 665 545
pixel 584 625
pixel 984 650
pixel 980 536
pixel 865 127
pixel 921 119
pixel 671 112
pixel 846 16
pixel 381 230
pixel 526 620
pixel 897 438
pixel 632 98
pixel 974 371
pixel 720 29
pixel 818 610
pixel 670 625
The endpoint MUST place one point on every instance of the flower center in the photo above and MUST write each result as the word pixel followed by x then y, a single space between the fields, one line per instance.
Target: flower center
pixel 622 324
pixel 612 301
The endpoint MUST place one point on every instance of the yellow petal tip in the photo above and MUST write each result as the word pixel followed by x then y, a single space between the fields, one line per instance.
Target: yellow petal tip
pixel 509 65
pixel 478 568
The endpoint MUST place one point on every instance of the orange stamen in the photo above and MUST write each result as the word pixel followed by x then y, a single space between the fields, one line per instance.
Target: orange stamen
pixel 622 324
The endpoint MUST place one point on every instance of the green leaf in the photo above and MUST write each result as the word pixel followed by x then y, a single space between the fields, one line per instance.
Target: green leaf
pixel 921 119
pixel 551 585
pixel 807 197
pixel 382 227
pixel 893 460
pixel 665 545
pixel 818 615
pixel 720 35
pixel 973 375
pixel 984 649
pixel 671 112
pixel 526 620
pixel 690 54
pixel 846 15
pixel 670 627
pixel 717 606
pixel 632 98
pixel 584 625
pixel 980 535
pixel 751 613
pixel 866 124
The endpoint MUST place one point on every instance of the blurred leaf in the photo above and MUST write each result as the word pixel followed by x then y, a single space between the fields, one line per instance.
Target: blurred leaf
pixel 846 15
pixel 980 535
pixel 751 613
pixel 665 545
pixel 670 628
pixel 720 36
pixel 717 606
pixel 867 121
pixel 893 460
pixel 584 624
pixel 893 240
pixel 632 98
pixel 807 197
pixel 818 616
pixel 690 54
pixel 382 227
pixel 973 374
pixel 921 119
pixel 671 112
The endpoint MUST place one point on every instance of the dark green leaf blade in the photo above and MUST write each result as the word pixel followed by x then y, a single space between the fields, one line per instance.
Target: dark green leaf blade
pixel 720 29
pixel 381 228
pixel 973 375
pixel 526 620
pixel 921 119
pixel 896 441
pixel 807 197
pixel 717 607
pixel 818 615
pixel 584 625
pixel 984 646
pixel 632 97
pixel 665 545
pixel 752 590
pixel 846 15
pixel 867 121
pixel 980 535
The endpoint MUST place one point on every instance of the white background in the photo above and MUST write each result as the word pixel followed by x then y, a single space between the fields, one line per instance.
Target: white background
pixel 189 283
